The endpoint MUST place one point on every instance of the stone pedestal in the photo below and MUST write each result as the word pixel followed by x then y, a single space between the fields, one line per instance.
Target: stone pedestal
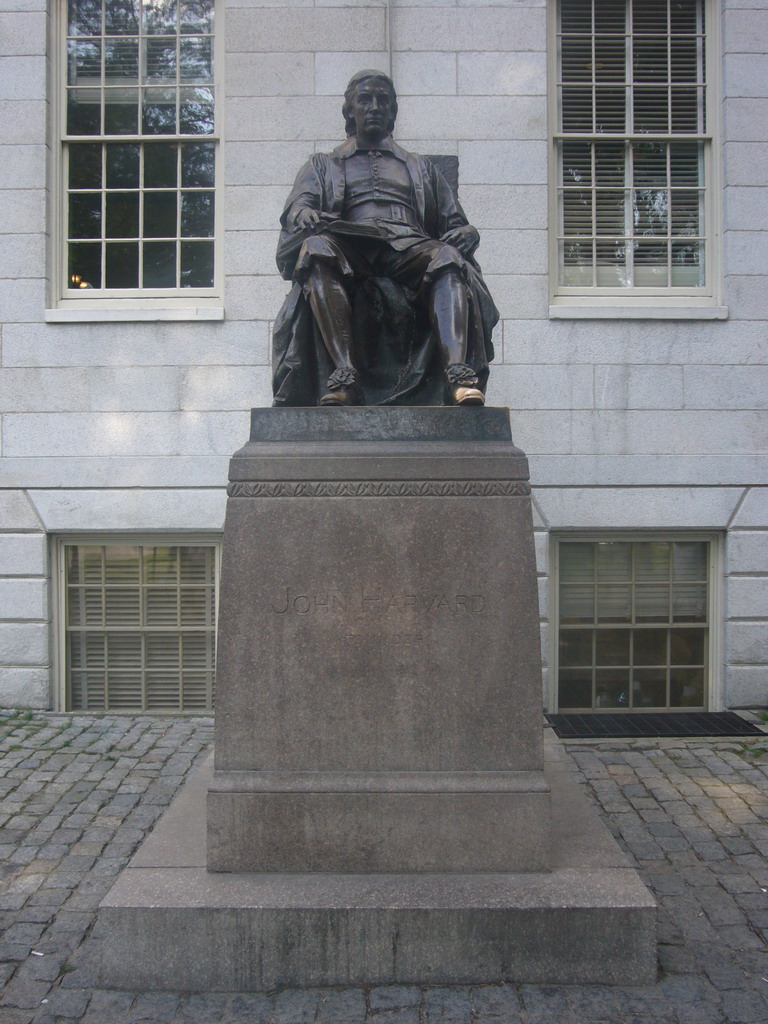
pixel 379 687
pixel 379 811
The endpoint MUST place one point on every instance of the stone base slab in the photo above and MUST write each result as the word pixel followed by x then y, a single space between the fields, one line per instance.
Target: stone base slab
pixel 169 924
pixel 377 822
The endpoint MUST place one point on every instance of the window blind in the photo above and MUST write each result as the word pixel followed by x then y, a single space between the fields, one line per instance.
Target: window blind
pixel 140 627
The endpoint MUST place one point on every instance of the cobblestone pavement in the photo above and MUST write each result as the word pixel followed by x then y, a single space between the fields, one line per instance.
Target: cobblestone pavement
pixel 80 792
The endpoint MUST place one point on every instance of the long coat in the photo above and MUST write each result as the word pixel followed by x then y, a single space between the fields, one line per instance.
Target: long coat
pixel 397 354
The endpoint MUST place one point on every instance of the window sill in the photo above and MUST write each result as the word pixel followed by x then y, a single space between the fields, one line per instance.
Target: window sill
pixel 632 312
pixel 72 315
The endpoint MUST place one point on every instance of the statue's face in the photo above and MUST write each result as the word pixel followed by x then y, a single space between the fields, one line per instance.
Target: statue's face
pixel 371 108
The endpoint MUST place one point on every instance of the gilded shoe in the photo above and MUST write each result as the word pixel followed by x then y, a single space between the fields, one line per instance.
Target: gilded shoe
pixel 463 385
pixel 468 396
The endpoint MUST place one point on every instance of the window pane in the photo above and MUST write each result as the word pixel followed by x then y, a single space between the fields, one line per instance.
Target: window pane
pixel 652 562
pixel 649 646
pixel 122 265
pixel 196 16
pixel 687 264
pixel 159 112
pixel 121 58
pixel 687 216
pixel 577 563
pixel 196 59
pixel 85 215
pixel 85 606
pixel 160 165
pixel 576 59
pixel 610 109
pixel 84 266
pixel 577 603
pixel 159 59
pixel 161 564
pixel 84 62
pixel 575 688
pixel 577 109
pixel 83 112
pixel 121 564
pixel 576 16
pixel 613 603
pixel 649 688
pixel 197 607
pixel 609 211
pixel 159 264
pixel 85 165
pixel 159 16
pixel 612 688
pixel 121 17
pixel 162 606
pixel 197 164
pixel 689 560
pixel 122 607
pixel 196 111
pixel 689 602
pixel 612 647
pixel 196 565
pixel 197 264
pixel 687 646
pixel 197 214
pixel 614 562
pixel 122 166
pixel 121 112
pixel 122 215
pixel 652 603
pixel 160 214
pixel 576 647
pixel 84 17
pixel 651 209
pixel 686 686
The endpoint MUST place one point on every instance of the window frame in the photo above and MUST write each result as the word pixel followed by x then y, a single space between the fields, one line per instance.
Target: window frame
pixel 59 545
pixel 65 304
pixel 570 302
pixel 713 680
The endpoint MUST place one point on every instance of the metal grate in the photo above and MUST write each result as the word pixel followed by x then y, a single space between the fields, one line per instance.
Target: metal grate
pixel 688 723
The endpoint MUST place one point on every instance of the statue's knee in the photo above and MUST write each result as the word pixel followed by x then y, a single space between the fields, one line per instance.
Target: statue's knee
pixel 450 254
pixel 446 260
pixel 316 247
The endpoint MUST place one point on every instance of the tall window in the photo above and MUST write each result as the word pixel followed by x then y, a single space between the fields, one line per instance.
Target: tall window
pixel 140 624
pixel 140 150
pixel 632 148
pixel 633 624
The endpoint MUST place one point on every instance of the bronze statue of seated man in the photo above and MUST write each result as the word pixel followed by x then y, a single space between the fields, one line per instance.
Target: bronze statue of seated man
pixel 388 305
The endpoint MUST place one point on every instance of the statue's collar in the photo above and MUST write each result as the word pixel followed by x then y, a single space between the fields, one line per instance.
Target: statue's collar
pixel 388 144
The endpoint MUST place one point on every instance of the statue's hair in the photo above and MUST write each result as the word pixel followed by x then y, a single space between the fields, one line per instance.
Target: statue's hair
pixel 355 80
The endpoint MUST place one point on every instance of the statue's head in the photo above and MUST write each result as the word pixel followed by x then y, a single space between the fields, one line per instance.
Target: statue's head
pixel 367 77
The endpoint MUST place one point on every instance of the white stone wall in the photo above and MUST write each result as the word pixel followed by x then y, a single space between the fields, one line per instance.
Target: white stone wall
pixel 629 424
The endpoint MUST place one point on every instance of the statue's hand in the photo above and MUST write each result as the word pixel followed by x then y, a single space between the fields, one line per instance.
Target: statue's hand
pixel 306 219
pixel 466 239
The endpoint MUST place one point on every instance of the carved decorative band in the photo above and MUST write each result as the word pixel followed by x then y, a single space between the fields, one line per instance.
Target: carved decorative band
pixel 378 488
